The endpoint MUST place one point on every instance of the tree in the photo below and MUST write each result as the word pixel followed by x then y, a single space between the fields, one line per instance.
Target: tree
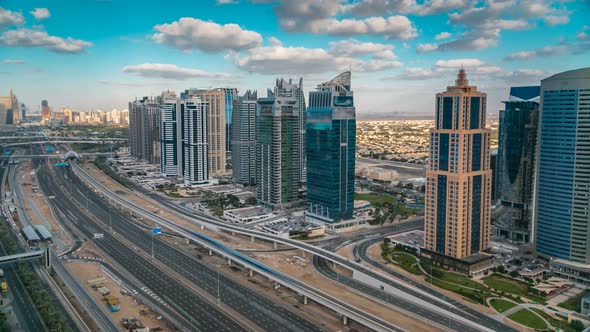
pixel 501 269
pixel 577 325
pixel 514 274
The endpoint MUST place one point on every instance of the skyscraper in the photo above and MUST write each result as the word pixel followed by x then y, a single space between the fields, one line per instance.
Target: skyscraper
pixel 243 135
pixel 45 112
pixel 215 98
pixel 230 95
pixel 515 165
pixel 562 190
pixel 170 131
pixel 458 187
pixel 144 129
pixel 9 109
pixel 194 142
pixel 278 145
pixel 331 147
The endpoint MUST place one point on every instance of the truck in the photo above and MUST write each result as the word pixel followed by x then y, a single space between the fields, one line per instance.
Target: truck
pixel 4 287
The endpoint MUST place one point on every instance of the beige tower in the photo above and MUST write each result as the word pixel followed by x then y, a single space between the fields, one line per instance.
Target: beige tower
pixel 458 187
pixel 216 128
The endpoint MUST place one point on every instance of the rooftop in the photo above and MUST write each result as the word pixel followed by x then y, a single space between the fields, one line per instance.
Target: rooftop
pixel 249 211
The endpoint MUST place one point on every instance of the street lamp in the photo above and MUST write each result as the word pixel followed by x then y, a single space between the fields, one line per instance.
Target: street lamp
pixel 218 289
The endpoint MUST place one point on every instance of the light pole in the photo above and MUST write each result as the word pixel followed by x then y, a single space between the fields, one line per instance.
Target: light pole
pixel 110 218
pixel 218 288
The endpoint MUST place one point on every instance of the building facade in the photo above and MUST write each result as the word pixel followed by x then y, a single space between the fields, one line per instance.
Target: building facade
pixel 243 135
pixel 144 130
pixel 331 148
pixel 278 140
pixel 230 95
pixel 45 112
pixel 170 135
pixel 10 110
pixel 562 188
pixel 515 164
pixel 195 155
pixel 458 177
pixel 216 125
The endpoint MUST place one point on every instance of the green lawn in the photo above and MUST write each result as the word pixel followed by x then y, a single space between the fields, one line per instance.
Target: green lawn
pixel 468 293
pixel 456 279
pixel 553 321
pixel 501 305
pixel 376 198
pixel 528 318
pixel 407 262
pixel 505 285
pixel 573 303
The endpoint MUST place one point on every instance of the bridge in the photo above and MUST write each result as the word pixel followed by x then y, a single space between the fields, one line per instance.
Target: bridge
pixel 54 156
pixel 60 142
pixel 63 138
pixel 44 253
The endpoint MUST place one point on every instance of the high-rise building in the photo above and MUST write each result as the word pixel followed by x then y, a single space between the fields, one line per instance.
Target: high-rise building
pixel 458 187
pixel 144 130
pixel 243 136
pixel 278 145
pixel 515 164
pixel 562 190
pixel 45 112
pixel 194 141
pixel 331 147
pixel 230 95
pixel 10 109
pixel 215 98
pixel 170 135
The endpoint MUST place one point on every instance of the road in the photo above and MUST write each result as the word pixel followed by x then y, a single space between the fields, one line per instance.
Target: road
pixel 260 310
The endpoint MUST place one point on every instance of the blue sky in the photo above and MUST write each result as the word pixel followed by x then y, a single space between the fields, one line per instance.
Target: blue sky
pixel 100 54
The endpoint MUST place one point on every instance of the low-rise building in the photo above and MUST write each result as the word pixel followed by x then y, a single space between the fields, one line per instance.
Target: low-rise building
pixel 248 215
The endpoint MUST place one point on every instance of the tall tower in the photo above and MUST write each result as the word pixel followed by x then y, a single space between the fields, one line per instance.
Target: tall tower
pixel 170 138
pixel 515 164
pixel 458 187
pixel 194 142
pixel 278 145
pixel 243 142
pixel 331 147
pixel 562 191
pixel 144 129
pixel 45 112
pixel 230 95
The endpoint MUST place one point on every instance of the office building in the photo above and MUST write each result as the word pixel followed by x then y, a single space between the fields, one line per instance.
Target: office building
pixel 515 164
pixel 170 135
pixel 144 129
pixel 216 125
pixel 278 140
pixel 9 110
pixel 194 142
pixel 562 189
pixel 331 147
pixel 458 176
pixel 243 136
pixel 45 112
pixel 230 95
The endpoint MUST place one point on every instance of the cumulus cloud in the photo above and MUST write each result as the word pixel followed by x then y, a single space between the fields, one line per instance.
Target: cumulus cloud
pixel 429 7
pixel 226 2
pixel 189 33
pixel 556 20
pixel 280 59
pixel 548 51
pixel 169 71
pixel 40 13
pixel 353 48
pixel 442 35
pixel 9 18
pixel 34 38
pixel 458 63
pixel 13 62
pixel 423 48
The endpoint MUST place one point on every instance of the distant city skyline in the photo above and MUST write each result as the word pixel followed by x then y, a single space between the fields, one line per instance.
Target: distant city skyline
pixel 400 53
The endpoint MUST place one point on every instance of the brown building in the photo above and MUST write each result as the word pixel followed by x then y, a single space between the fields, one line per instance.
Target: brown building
pixel 45 112
pixel 458 187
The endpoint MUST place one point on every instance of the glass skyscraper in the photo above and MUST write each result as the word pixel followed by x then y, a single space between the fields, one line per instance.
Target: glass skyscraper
pixel 230 94
pixel 195 170
pixel 331 147
pixel 458 187
pixel 243 142
pixel 515 164
pixel 562 193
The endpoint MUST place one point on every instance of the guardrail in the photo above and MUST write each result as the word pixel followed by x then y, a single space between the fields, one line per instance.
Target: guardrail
pixel 341 307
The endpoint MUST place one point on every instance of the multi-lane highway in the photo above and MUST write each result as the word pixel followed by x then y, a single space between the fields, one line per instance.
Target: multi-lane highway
pixel 261 311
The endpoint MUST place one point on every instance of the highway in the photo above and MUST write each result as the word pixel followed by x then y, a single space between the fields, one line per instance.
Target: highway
pixel 249 304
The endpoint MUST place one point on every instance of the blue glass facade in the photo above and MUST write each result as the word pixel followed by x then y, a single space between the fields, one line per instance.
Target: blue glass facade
pixel 330 149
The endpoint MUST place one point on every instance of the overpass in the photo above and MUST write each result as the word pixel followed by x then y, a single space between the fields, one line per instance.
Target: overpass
pixel 54 156
pixel 59 142
pixel 63 138
pixel 377 278
pixel 27 256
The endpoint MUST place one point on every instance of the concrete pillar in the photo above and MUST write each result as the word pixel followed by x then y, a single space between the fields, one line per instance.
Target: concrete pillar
pixel 274 244
pixel 344 320
pixel 251 272
pixel 252 239
pixel 304 299
pixel 229 261
pixel 202 227
pixel 233 233
pixel 210 252
pixel 303 253
pixel 187 241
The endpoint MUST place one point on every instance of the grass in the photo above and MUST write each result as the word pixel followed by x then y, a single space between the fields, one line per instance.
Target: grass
pixel 553 321
pixel 528 318
pixel 376 198
pixel 502 305
pixel 466 292
pixel 456 279
pixel 574 303
pixel 407 262
pixel 505 285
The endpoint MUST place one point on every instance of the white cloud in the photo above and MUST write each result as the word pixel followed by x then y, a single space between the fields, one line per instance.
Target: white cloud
pixel 442 35
pixel 556 20
pixel 33 38
pixel 9 18
pixel 458 63
pixel 275 41
pixel 169 71
pixel 13 62
pixel 40 13
pixel 226 2
pixel 429 7
pixel 414 73
pixel 190 33
pixel 424 48
pixel 354 48
pixel 376 65
pixel 582 46
pixel 392 27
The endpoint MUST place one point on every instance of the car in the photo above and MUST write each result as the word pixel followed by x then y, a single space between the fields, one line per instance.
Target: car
pixel 134 292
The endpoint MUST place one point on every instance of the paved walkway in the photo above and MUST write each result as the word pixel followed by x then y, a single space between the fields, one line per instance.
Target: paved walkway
pixel 521 306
